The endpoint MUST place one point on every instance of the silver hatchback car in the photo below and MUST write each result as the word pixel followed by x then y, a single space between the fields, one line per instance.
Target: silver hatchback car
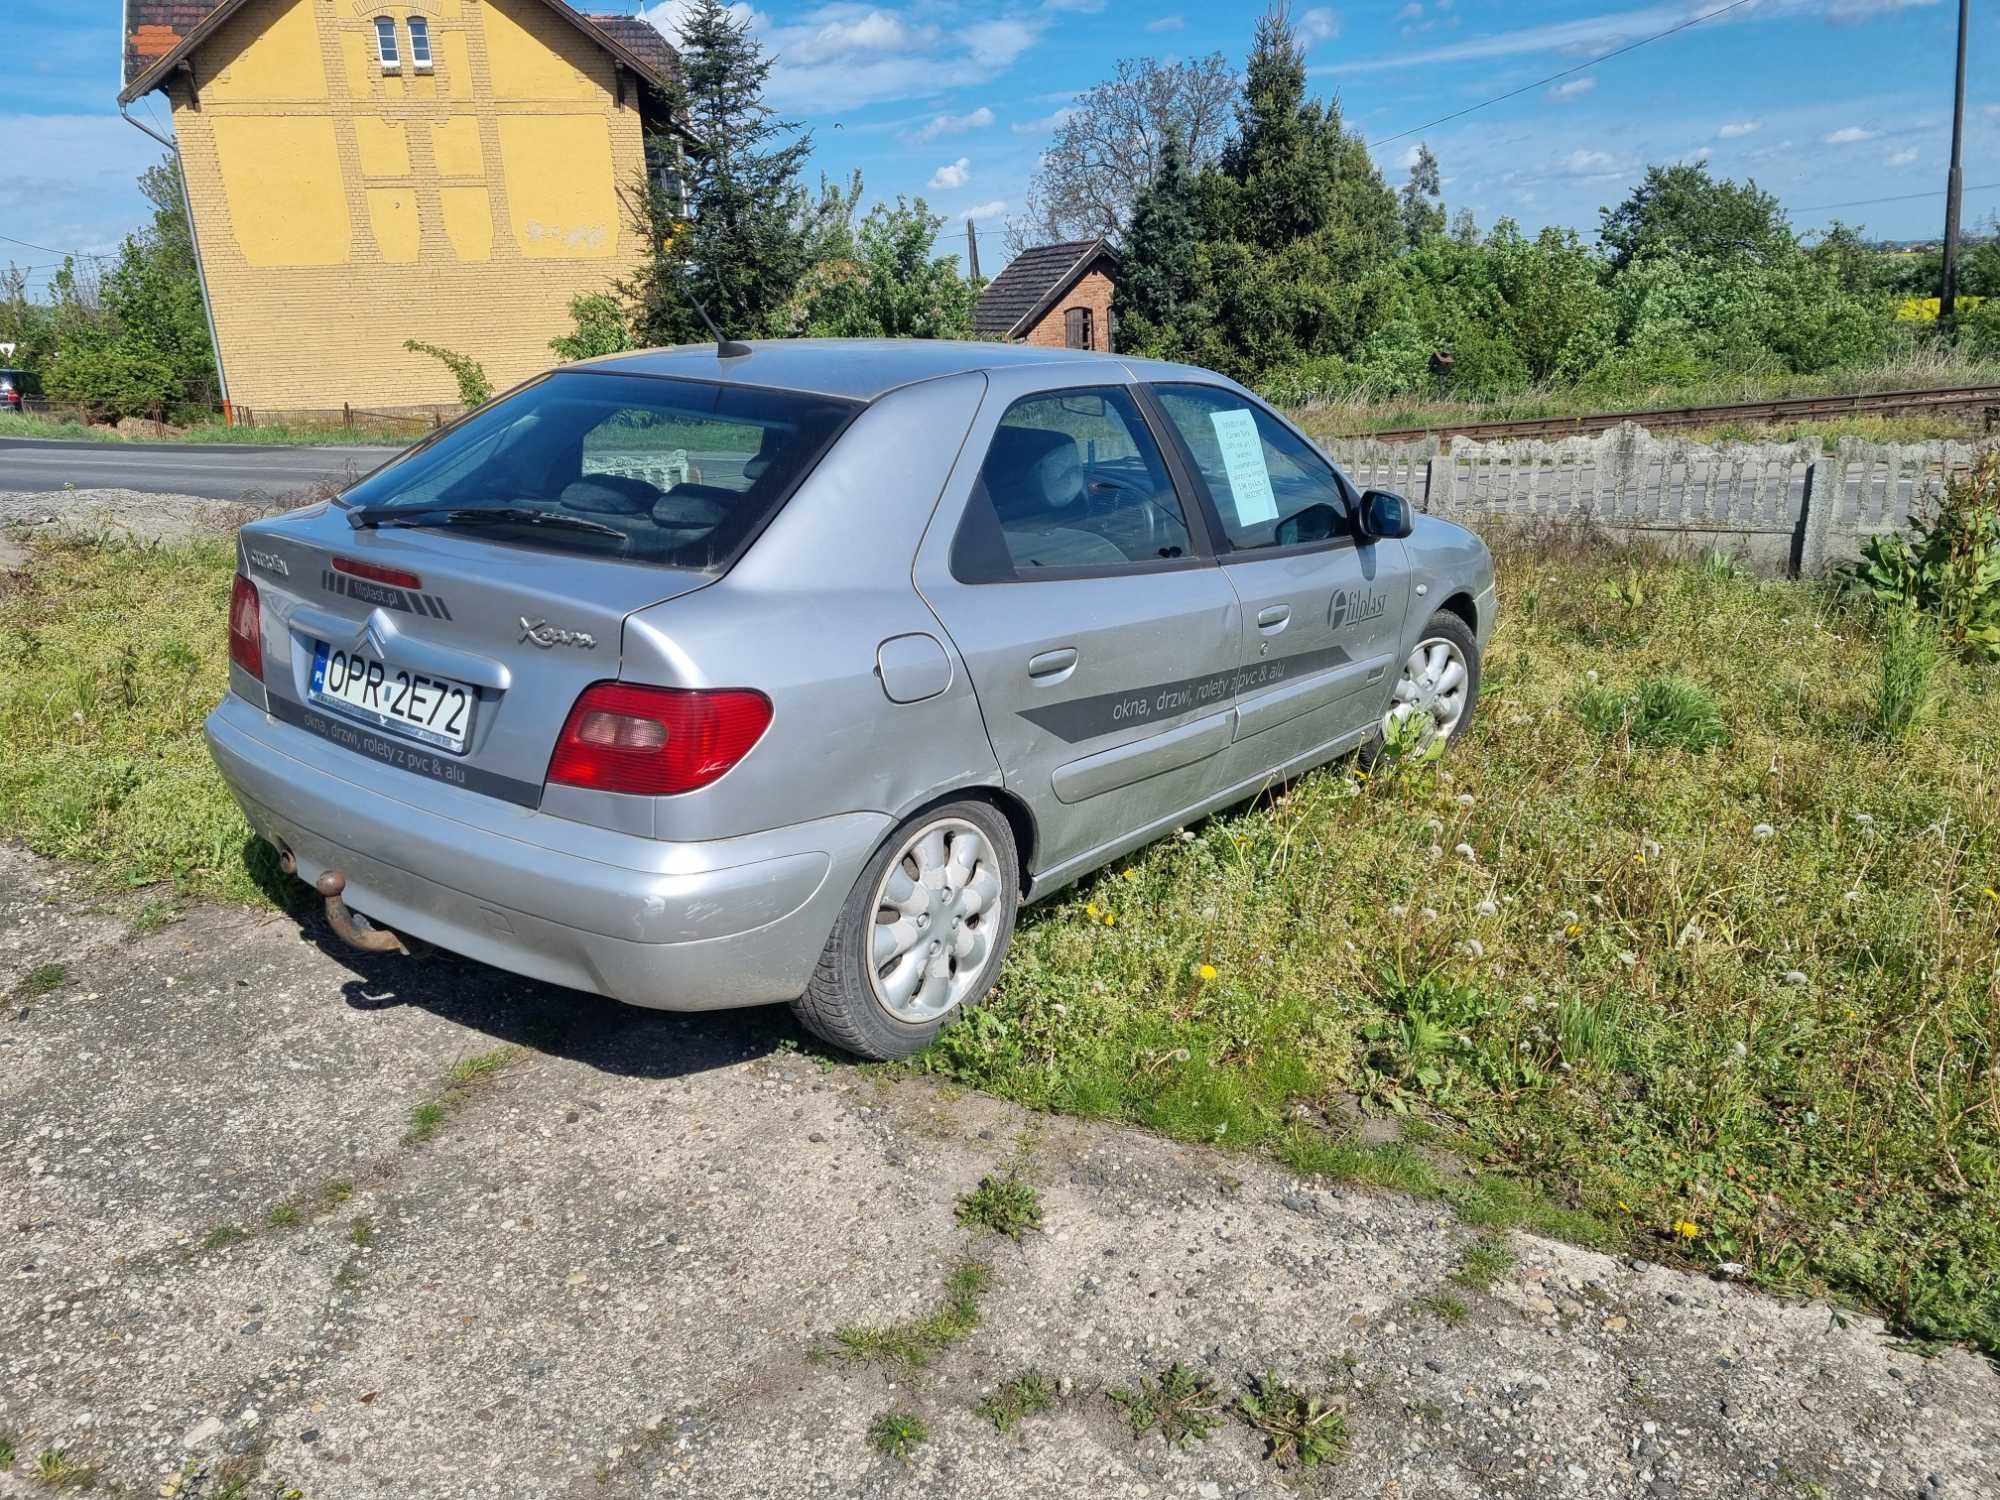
pixel 703 680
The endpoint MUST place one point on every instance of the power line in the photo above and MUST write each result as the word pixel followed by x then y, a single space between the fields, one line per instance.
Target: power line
pixel 1817 208
pixel 1529 88
pixel 51 249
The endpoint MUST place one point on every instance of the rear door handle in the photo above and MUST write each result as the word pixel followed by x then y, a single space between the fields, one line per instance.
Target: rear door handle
pixel 1055 663
pixel 1273 616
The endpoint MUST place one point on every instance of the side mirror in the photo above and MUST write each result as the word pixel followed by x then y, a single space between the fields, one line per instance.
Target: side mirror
pixel 1385 517
pixel 1316 523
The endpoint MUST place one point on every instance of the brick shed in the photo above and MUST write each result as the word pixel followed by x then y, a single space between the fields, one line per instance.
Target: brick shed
pixel 1059 295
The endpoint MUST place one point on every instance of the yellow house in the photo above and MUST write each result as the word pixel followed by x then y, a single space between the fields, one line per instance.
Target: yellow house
pixel 362 172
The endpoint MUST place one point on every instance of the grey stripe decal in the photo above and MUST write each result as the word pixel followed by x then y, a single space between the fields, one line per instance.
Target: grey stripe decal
pixel 418 760
pixel 1107 713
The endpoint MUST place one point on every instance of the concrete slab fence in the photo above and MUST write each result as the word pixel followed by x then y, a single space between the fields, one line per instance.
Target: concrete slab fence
pixel 1784 507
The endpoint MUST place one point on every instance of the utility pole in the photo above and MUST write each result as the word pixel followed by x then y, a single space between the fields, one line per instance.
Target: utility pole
pixel 971 251
pixel 1948 292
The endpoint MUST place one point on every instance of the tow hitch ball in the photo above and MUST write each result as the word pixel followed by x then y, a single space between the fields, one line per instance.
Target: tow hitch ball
pixel 340 918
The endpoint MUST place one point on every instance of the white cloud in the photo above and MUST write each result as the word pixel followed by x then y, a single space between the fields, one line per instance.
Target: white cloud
pixel 670 15
pixel 1166 23
pixel 1084 7
pixel 1904 158
pixel 953 174
pixel 1320 24
pixel 1414 11
pixel 1591 164
pixel 1851 135
pixel 1410 157
pixel 941 125
pixel 991 210
pixel 995 44
pixel 1735 130
pixel 1041 125
pixel 1575 88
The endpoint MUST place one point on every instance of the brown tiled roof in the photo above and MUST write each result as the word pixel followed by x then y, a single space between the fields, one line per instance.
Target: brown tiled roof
pixel 1034 279
pixel 154 28
pixel 642 39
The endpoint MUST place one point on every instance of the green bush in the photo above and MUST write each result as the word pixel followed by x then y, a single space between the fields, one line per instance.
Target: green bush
pixel 1663 713
pixel 111 380
pixel 1949 567
pixel 474 389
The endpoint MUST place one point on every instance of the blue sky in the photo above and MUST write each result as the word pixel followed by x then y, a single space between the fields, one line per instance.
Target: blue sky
pixel 1822 101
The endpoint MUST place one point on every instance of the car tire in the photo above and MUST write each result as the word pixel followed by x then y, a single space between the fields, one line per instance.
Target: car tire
pixel 864 997
pixel 1449 631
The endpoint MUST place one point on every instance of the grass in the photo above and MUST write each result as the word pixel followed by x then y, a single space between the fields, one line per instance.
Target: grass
pixel 898 1434
pixel 915 1342
pixel 39 981
pixel 6 1452
pixel 461 1083
pixel 223 1236
pixel 1749 991
pixel 1027 1395
pixel 1182 1406
pixel 1302 1429
pixel 1482 1265
pixel 1005 1205
pixel 56 1470
pixel 15 426
pixel 1445 1307
pixel 1336 414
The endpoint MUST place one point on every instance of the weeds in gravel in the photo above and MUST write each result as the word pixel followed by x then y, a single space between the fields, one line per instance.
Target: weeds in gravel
pixel 1024 1396
pixel 361 1231
pixel 56 1470
pixel 223 1236
pixel 284 1216
pixel 1005 1205
pixel 6 1452
pixel 39 981
pixel 461 1083
pixel 1182 1406
pixel 1302 1429
pixel 915 1342
pixel 1445 1307
pixel 1482 1265
pixel 898 1434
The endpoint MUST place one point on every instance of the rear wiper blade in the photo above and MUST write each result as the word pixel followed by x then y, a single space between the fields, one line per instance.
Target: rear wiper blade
pixel 369 517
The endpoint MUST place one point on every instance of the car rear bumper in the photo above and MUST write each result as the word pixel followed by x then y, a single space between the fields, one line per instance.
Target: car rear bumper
pixel 689 926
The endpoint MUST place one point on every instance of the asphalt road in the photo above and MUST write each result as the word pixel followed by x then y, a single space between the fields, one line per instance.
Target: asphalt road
pixel 213 471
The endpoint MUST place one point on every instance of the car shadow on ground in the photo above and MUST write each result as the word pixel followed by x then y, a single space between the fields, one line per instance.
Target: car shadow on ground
pixel 624 1040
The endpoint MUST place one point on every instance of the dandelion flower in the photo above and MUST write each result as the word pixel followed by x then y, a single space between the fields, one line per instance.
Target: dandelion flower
pixel 1624 1207
pixel 1205 973
pixel 1564 918
pixel 1991 894
pixel 1110 919
pixel 1131 874
pixel 1465 799
pixel 1866 820
pixel 1574 930
pixel 1399 910
pixel 1472 948
pixel 1762 832
pixel 1488 908
pixel 1628 958
pixel 1650 848
pixel 1591 677
pixel 1428 913
pixel 1090 910
pixel 1687 1229
pixel 1741 1050
pixel 1433 826
pixel 1795 976
pixel 1465 851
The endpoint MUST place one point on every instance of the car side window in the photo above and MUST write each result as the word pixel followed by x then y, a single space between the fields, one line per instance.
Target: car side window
pixel 1072 481
pixel 1270 487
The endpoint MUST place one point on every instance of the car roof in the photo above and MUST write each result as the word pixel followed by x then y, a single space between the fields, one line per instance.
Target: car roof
pixel 862 369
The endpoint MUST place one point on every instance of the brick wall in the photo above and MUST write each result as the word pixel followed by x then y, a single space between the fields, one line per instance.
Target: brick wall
pixel 341 210
pixel 1092 290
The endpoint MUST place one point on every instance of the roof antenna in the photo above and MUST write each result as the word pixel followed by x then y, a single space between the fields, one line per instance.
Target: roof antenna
pixel 725 348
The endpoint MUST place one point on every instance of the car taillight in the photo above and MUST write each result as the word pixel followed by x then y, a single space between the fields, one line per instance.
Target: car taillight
pixel 654 741
pixel 246 628
pixel 374 573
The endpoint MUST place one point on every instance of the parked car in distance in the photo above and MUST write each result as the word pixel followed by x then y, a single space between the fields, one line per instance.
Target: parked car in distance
pixel 702 681
pixel 15 387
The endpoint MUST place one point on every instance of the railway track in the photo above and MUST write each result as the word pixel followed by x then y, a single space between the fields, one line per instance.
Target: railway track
pixel 1954 398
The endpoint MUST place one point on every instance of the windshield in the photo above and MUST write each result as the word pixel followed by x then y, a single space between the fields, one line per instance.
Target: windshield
pixel 677 472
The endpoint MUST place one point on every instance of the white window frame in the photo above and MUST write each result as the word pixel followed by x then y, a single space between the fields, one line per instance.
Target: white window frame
pixel 420 44
pixel 386 50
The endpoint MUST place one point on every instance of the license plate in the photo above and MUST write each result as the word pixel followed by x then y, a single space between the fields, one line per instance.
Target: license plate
pixel 435 710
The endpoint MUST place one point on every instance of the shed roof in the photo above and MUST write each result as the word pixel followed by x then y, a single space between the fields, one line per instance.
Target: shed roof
pixel 1032 283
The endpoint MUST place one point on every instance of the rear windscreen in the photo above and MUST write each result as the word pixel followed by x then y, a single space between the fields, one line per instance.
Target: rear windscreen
pixel 675 472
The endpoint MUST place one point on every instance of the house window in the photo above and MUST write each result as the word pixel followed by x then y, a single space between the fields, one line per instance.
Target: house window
pixel 420 44
pixel 1076 328
pixel 666 166
pixel 385 45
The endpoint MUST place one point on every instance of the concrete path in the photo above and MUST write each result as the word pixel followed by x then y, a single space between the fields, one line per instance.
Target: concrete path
pixel 603 1269
pixel 211 471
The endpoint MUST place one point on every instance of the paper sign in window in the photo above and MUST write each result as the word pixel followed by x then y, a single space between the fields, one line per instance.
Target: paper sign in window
pixel 1243 459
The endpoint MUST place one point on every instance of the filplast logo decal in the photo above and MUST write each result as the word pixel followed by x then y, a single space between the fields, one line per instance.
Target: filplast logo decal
pixel 1352 606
